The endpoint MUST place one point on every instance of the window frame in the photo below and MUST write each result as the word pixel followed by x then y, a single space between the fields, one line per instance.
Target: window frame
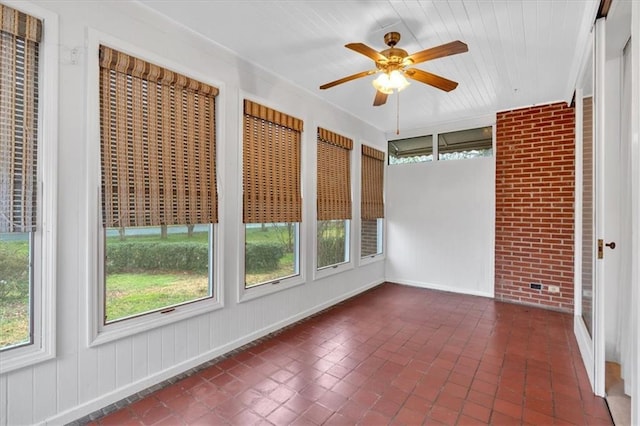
pixel 97 332
pixel 246 294
pixel 43 245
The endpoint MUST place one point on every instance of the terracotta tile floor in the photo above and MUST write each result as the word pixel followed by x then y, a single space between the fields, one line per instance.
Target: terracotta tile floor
pixel 394 355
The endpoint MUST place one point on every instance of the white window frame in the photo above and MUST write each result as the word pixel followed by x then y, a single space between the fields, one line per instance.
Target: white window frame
pixel 269 287
pixel 97 332
pixel 43 245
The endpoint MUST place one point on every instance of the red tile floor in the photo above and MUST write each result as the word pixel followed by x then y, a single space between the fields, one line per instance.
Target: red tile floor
pixel 394 355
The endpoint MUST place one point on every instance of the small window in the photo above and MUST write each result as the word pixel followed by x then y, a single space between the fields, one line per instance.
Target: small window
pixel 411 150
pixel 464 144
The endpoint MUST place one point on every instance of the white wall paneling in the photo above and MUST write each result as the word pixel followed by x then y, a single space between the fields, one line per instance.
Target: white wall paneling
pixel 441 225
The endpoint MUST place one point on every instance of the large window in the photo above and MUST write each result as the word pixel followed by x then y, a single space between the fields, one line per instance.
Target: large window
pixel 272 203
pixel 159 199
pixel 27 185
pixel 334 198
pixel 372 202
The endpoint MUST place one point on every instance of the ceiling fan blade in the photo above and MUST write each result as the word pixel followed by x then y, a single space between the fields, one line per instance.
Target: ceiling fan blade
pixel 380 99
pixel 441 51
pixel 367 51
pixel 348 78
pixel 431 79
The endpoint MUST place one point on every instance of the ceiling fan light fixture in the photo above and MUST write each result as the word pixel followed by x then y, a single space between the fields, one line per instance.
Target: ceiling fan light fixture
pixel 388 82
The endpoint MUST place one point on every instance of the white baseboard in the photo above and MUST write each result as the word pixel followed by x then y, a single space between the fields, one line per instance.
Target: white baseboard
pixel 440 287
pixel 95 404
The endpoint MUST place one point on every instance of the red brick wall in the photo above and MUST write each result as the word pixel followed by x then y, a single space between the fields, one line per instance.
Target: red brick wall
pixel 534 205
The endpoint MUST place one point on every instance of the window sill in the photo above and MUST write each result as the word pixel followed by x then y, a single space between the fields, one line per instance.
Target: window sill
pixel 14 359
pixel 372 259
pixel 119 330
pixel 328 271
pixel 246 294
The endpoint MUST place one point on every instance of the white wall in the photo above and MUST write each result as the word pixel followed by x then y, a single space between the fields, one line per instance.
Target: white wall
pixel 441 225
pixel 82 379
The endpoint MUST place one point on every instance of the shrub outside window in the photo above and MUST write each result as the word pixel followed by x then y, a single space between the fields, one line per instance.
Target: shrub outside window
pixel 271 252
pixel 148 269
pixel 411 150
pixel 333 238
pixel 463 144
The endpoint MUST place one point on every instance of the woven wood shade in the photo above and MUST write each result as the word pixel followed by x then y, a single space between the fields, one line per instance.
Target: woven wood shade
pixel 372 201
pixel 157 144
pixel 271 165
pixel 20 35
pixel 334 176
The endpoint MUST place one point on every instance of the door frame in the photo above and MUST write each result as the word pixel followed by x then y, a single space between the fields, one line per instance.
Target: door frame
pixel 592 347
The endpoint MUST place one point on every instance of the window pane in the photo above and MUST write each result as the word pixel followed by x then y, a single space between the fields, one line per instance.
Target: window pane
pixel 271 252
pixel 15 290
pixel 333 242
pixel 152 268
pixel 411 150
pixel 371 237
pixel 463 144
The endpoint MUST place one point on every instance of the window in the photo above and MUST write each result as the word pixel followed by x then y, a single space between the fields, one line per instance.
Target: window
pixel 333 199
pixel 372 202
pixel 271 195
pixel 159 199
pixel 27 187
pixel 411 150
pixel 463 144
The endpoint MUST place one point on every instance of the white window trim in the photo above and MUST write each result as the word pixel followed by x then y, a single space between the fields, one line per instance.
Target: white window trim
pixel 44 242
pixel 247 294
pixel 97 332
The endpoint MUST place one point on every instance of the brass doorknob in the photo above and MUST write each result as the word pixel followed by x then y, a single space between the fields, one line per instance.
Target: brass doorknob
pixel 611 245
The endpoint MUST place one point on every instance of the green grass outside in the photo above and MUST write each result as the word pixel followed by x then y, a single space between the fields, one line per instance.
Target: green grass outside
pixel 14 292
pixel 129 293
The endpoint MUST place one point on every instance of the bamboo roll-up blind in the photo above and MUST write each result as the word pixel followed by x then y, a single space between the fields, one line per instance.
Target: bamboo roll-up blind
pixel 334 176
pixel 271 165
pixel 372 200
pixel 20 36
pixel 157 143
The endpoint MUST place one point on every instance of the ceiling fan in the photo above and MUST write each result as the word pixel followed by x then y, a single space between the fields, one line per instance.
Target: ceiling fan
pixel 394 64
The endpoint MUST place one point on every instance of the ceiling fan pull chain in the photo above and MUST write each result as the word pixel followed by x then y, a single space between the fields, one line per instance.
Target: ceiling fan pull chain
pixel 398 113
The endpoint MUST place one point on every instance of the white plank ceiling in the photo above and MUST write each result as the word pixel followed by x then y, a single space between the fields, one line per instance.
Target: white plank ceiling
pixel 521 52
